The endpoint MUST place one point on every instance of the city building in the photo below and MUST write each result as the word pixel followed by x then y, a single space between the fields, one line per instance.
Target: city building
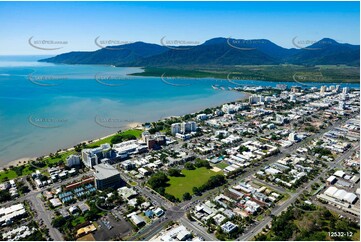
pixel 345 90
pixel 202 116
pixel 175 128
pixel 137 220
pixel 254 99
pixel 107 176
pixel 73 160
pixel 179 233
pixel 9 214
pixel 292 137
pixel 125 148
pixel 92 157
pixel 154 141
pixel 323 90
pixel 183 128
pixel 293 98
pixel 229 227
pixel 295 89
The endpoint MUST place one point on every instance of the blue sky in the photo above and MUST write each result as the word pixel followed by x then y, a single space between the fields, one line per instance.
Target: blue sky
pixel 79 23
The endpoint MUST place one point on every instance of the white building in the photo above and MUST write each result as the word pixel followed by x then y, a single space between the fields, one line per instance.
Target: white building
pixel 91 157
pixel 73 160
pixel 229 227
pixel 292 137
pixel 179 233
pixel 256 99
pixel 175 128
pixel 9 214
pixel 345 90
pixel 229 108
pixel 202 116
pixel 280 119
pixel 185 127
pixel 293 98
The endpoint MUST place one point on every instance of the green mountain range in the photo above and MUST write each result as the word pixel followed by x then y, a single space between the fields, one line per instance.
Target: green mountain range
pixel 217 52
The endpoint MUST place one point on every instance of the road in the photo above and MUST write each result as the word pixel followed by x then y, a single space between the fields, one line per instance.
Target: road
pixel 175 213
pixel 196 228
pixel 45 216
pixel 38 205
pixel 259 227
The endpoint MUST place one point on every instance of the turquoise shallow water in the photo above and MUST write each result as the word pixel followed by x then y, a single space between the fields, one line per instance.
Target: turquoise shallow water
pixel 45 107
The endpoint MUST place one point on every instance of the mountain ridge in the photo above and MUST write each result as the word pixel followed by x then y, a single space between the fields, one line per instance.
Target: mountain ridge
pixel 217 51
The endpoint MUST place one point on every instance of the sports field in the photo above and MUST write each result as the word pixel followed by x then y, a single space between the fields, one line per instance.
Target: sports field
pixel 192 178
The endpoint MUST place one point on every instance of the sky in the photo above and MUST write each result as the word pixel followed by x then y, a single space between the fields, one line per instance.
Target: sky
pixel 77 24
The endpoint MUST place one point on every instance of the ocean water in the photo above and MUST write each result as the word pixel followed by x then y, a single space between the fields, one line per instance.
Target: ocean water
pixel 45 107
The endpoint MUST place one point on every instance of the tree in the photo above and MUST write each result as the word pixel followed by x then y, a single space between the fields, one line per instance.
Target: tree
pixel 189 166
pixel 220 136
pixel 118 138
pixel 196 191
pixel 243 148
pixel 158 180
pixel 187 196
pixel 58 221
pixel 5 196
pixel 174 172
pixel 189 216
pixel 202 163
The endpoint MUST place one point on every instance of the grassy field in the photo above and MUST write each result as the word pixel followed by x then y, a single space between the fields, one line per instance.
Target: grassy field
pixel 78 220
pixel 192 178
pixel 221 165
pixel 136 132
pixel 10 174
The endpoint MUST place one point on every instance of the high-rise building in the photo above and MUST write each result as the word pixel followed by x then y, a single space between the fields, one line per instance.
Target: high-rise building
pixel 323 90
pixel 254 99
pixel 91 157
pixel 229 108
pixel 73 160
pixel 107 176
pixel 175 128
pixel 185 127
pixel 345 90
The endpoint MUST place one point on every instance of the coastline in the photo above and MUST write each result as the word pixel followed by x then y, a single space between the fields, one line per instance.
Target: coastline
pixel 133 125
pixel 26 160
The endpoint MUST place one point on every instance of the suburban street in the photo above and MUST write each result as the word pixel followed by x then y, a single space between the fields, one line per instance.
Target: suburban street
pixel 258 228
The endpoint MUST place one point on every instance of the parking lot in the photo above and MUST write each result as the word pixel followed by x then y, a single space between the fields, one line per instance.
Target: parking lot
pixel 109 228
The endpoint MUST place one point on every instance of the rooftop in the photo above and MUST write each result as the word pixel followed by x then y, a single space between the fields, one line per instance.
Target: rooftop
pixel 104 171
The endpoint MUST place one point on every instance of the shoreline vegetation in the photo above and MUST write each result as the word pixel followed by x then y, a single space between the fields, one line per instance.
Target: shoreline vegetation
pixel 12 169
pixel 271 73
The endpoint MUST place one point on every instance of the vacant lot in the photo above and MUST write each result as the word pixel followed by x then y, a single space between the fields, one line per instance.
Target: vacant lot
pixel 192 178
